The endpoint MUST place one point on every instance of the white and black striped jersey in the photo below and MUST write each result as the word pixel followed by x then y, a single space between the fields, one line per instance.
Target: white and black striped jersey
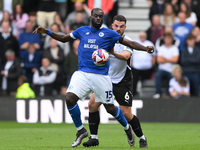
pixel 120 69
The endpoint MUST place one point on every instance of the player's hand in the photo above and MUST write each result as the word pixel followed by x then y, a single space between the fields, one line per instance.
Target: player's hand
pixel 150 49
pixel 40 30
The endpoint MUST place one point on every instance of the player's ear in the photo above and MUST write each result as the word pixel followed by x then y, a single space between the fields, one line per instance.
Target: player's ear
pixel 112 25
pixel 125 26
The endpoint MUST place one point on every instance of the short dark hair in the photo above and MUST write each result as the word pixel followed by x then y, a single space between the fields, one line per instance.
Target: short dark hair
pixel 190 37
pixel 119 18
pixel 95 9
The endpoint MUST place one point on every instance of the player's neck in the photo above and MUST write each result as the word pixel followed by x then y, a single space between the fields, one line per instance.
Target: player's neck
pixel 94 27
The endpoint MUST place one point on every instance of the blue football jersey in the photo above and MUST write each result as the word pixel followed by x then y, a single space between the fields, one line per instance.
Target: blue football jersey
pixel 90 40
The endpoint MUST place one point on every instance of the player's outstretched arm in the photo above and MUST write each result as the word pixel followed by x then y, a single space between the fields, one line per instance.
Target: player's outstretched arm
pixel 60 37
pixel 136 46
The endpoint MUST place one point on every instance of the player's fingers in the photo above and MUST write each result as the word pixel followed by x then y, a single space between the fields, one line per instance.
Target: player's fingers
pixel 150 50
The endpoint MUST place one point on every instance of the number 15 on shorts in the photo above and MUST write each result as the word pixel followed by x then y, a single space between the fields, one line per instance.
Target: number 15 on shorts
pixel 109 95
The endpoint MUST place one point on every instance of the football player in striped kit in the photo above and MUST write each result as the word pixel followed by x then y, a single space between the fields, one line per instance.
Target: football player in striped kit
pixel 122 80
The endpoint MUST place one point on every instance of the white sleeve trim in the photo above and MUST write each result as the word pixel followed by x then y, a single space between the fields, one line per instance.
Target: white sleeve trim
pixel 72 36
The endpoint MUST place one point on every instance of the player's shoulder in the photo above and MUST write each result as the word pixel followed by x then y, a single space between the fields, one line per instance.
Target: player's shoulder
pixel 127 37
pixel 83 29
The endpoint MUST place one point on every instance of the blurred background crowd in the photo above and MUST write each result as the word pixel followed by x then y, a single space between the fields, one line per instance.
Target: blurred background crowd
pixel 37 65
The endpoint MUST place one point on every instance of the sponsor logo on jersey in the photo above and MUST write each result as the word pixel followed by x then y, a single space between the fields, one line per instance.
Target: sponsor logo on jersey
pixel 93 46
pixel 87 33
pixel 101 34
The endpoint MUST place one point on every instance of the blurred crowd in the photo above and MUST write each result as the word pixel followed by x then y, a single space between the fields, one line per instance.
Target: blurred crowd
pixel 41 66
pixel 175 34
pixel 37 64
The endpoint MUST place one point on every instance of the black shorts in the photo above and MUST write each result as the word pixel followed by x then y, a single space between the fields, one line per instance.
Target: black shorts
pixel 123 93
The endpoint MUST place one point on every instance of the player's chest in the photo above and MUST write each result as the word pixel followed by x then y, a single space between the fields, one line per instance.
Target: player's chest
pixel 119 48
pixel 92 39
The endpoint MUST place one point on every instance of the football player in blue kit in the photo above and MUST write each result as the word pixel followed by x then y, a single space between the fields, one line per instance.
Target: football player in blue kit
pixel 91 77
pixel 122 80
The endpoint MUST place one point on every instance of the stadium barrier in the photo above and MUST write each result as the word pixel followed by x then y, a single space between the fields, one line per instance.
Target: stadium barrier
pixel 52 109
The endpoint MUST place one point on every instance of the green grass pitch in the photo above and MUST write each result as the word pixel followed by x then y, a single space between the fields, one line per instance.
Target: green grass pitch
pixel 160 136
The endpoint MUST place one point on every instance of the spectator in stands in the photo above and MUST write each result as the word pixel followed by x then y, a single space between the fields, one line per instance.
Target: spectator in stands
pixel 182 29
pixel 156 30
pixel 8 5
pixel 190 16
pixel 61 8
pixel 196 10
pixel 24 90
pixel 1 13
pixel 179 86
pixel 57 20
pixel 7 41
pixel 169 17
pixel 19 18
pixel 188 3
pixel 105 5
pixel 175 4
pixel 56 56
pixel 156 8
pixel 71 61
pixel 196 33
pixel 160 41
pixel 79 22
pixel 150 3
pixel 13 28
pixel 27 37
pixel 64 46
pixel 71 18
pixel 190 62
pixel 33 19
pixel 46 12
pixel 167 55
pixel 30 62
pixel 142 63
pixel 10 72
pixel 43 79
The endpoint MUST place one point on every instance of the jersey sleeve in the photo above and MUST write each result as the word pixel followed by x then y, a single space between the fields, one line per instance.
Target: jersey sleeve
pixel 77 33
pixel 128 49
